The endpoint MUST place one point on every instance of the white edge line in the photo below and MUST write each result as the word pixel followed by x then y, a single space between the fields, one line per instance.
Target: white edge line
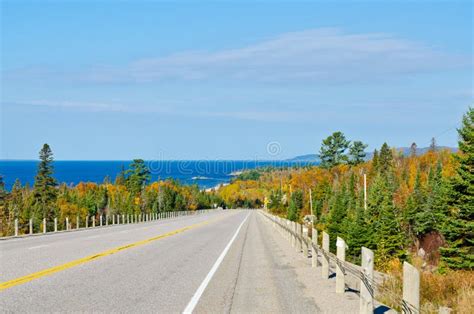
pixel 197 295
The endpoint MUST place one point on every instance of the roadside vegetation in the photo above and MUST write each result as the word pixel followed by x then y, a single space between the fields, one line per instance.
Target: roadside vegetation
pixel 130 193
pixel 420 208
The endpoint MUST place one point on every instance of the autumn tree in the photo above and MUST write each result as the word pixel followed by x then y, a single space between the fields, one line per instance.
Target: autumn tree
pixel 459 229
pixel 332 152
pixel 44 188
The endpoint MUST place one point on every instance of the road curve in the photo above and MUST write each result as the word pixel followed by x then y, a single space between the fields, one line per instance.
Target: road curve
pixel 160 267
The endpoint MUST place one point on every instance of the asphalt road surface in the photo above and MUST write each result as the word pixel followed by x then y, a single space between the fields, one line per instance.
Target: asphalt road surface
pixel 221 262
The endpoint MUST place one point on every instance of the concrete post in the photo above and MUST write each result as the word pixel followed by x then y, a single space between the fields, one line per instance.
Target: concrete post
pixel 325 259
pixel 44 225
pixel 87 221
pixel 300 237
pixel 93 221
pixel 77 222
pixel 106 220
pixel 67 223
pixel 366 300
pixel 128 218
pixel 55 224
pixel 100 220
pixel 113 219
pixel 16 227
pixel 341 255
pixel 314 253
pixel 305 243
pixel 411 286
pixel 118 219
pixel 31 226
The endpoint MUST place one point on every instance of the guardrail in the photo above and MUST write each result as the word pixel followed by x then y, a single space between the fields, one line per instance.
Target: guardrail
pixel 93 222
pixel 297 235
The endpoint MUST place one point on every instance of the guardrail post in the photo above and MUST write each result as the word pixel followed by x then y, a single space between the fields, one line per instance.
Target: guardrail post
pixel 366 299
pixel 113 219
pixel 100 222
pixel 411 288
pixel 325 260
pixel 118 219
pixel 55 224
pixel 77 222
pixel 93 221
pixel 305 242
pixel 314 253
pixel 31 226
pixel 87 221
pixel 67 223
pixel 16 227
pixel 106 219
pixel 300 236
pixel 44 225
pixel 341 256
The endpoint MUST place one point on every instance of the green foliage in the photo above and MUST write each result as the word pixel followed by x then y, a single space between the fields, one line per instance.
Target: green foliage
pixel 459 227
pixel 357 152
pixel 44 188
pixel 333 149
pixel 295 206
pixel 249 175
pixel 137 176
pixel 385 160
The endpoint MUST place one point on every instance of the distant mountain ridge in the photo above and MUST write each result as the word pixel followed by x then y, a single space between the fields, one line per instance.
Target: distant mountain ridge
pixel 405 150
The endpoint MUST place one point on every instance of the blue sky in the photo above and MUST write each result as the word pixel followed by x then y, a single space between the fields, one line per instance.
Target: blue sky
pixel 223 79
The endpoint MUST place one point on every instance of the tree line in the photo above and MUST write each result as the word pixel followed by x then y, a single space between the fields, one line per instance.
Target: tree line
pixel 130 193
pixel 416 205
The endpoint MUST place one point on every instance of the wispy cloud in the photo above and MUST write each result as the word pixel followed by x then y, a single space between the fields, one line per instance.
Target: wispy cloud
pixel 325 55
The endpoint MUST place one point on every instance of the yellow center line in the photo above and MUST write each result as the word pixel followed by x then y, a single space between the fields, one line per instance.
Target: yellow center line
pixel 55 269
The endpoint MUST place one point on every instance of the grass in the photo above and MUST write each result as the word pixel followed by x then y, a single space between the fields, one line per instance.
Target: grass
pixel 453 289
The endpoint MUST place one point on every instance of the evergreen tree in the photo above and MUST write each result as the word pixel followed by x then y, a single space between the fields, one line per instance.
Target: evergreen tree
pixel 413 148
pixel 120 178
pixel 375 162
pixel 357 153
pixel 333 149
pixel 433 212
pixel 387 238
pixel 459 227
pixel 295 206
pixel 385 161
pixel 433 146
pixel 137 176
pixel 44 187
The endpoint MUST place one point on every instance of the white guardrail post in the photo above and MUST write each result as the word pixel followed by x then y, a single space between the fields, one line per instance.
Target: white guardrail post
pixel 314 253
pixel 411 289
pixel 341 256
pixel 325 260
pixel 77 222
pixel 31 226
pixel 55 224
pixel 366 298
pixel 67 223
pixel 93 221
pixel 16 227
pixel 44 225
pixel 305 242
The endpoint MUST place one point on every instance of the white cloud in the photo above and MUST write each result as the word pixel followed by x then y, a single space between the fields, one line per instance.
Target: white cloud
pixel 326 54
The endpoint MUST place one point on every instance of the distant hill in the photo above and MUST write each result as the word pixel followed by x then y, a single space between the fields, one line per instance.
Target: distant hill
pixel 404 150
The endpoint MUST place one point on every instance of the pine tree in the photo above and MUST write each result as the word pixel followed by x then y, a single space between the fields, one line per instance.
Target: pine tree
pixel 459 228
pixel 295 206
pixel 357 153
pixel 44 188
pixel 333 149
pixel 137 176
pixel 433 146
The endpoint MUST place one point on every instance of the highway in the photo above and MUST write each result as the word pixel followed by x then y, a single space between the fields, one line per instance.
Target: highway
pixel 220 262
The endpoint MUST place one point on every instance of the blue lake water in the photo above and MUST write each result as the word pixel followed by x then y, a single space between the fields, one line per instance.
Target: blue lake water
pixel 205 173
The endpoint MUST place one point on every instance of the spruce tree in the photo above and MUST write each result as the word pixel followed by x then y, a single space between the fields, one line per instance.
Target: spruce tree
pixel 333 149
pixel 459 227
pixel 385 162
pixel 413 149
pixel 44 188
